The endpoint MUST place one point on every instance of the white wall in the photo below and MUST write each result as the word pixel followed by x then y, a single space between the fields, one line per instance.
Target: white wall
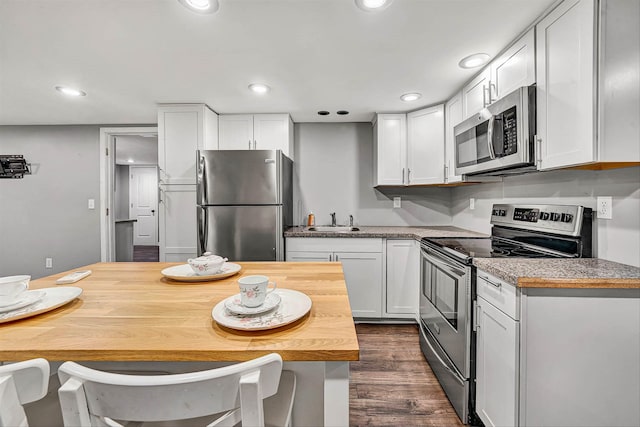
pixel 333 172
pixel 121 190
pixel 45 214
pixel 617 239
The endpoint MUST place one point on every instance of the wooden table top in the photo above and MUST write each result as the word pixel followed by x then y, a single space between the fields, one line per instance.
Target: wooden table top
pixel 130 312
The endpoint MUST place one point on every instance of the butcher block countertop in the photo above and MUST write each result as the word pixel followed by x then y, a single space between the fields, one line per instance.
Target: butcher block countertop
pixel 562 273
pixel 130 312
pixel 388 232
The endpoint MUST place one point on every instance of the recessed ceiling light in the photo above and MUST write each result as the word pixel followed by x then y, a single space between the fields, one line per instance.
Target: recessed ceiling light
pixel 201 6
pixel 473 61
pixel 69 91
pixel 342 112
pixel 370 5
pixel 130 160
pixel 323 113
pixel 408 97
pixel 259 88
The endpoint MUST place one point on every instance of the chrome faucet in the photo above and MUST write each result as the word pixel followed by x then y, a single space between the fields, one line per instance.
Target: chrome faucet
pixel 350 220
pixel 333 219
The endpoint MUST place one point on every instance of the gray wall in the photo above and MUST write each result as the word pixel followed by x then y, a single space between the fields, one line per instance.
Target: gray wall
pixel 121 196
pixel 617 239
pixel 45 214
pixel 333 173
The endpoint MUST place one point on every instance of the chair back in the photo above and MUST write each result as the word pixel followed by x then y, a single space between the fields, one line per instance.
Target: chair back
pixel 21 383
pixel 90 397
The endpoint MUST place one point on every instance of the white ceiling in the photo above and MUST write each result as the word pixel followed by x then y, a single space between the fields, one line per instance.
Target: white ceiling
pixel 130 55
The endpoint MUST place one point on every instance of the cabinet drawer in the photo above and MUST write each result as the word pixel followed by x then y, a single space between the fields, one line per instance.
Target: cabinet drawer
pixel 334 244
pixel 501 294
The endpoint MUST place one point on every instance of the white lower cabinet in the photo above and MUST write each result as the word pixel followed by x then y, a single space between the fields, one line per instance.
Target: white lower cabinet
pixel 361 262
pixel 403 278
pixel 496 366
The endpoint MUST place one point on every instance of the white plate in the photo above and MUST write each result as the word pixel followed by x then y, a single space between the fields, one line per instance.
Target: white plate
pixel 52 299
pixel 184 273
pixel 234 305
pixel 293 306
pixel 28 297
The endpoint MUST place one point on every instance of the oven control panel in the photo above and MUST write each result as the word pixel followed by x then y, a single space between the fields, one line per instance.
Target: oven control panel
pixel 559 219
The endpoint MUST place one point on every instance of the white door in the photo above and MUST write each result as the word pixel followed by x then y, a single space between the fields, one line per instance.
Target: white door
pixel 363 275
pixel 475 95
pixel 391 149
pixel 271 132
pixel 143 196
pixel 235 132
pixel 403 278
pixel 453 116
pixel 514 68
pixel 425 146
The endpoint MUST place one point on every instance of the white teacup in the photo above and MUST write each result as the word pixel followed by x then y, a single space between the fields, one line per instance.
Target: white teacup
pixel 253 290
pixel 206 265
pixel 12 287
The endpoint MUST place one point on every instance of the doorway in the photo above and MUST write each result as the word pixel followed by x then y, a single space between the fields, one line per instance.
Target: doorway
pixel 129 194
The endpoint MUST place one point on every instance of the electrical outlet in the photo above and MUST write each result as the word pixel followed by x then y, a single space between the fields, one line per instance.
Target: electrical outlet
pixel 472 203
pixel 397 202
pixel 605 207
pixel 48 263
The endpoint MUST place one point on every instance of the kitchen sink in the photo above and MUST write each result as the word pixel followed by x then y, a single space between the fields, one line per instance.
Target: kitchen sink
pixel 330 229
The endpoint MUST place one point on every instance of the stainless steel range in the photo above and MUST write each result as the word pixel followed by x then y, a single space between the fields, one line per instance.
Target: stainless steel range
pixel 448 284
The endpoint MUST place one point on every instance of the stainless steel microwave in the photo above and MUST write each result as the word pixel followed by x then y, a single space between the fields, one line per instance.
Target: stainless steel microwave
pixel 500 139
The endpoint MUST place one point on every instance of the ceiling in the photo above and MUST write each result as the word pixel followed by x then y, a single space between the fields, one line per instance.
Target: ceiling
pixel 130 55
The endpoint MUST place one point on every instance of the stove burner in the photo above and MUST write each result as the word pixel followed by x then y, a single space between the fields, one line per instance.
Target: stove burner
pixel 497 252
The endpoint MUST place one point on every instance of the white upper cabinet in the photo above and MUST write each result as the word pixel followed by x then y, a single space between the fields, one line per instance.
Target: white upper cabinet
pixel 453 116
pixel 565 92
pixel 425 146
pixel 516 67
pixel 256 132
pixel 476 94
pixel 183 129
pixel 390 149
pixel 409 149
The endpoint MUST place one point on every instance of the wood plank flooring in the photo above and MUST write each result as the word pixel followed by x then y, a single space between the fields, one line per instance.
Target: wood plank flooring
pixel 146 253
pixel 392 384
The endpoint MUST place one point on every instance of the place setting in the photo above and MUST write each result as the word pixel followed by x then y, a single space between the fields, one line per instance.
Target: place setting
pixel 260 305
pixel 18 302
pixel 204 268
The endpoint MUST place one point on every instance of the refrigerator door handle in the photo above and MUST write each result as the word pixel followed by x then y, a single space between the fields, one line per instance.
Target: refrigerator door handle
pixel 201 188
pixel 202 230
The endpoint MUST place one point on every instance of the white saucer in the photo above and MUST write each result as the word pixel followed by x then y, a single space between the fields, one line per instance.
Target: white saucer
pixel 29 297
pixel 234 306
pixel 184 273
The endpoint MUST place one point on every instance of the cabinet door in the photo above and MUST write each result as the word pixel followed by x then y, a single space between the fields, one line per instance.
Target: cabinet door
pixel 294 256
pixel 425 146
pixel 179 132
pixel 497 366
pixel 475 95
pixel 391 149
pixel 363 275
pixel 178 227
pixel 271 132
pixel 236 132
pixel 565 87
pixel 515 67
pixel 453 116
pixel 403 278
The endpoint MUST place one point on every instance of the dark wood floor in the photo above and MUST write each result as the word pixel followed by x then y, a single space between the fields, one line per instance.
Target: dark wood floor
pixel 146 253
pixel 392 384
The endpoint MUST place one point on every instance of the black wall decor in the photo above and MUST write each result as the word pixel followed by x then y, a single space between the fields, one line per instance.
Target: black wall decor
pixel 13 166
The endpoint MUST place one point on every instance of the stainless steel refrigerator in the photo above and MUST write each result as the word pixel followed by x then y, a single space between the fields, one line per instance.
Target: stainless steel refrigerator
pixel 245 201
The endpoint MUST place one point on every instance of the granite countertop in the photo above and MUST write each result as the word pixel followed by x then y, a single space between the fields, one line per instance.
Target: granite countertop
pixel 388 232
pixel 561 273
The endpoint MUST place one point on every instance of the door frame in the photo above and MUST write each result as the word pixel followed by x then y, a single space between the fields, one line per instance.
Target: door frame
pixel 107 173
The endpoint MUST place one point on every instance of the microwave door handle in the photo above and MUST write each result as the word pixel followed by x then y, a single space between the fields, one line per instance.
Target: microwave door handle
pixel 492 153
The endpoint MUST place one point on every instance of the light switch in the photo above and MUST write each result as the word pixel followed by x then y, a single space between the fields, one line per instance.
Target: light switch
pixel 92 204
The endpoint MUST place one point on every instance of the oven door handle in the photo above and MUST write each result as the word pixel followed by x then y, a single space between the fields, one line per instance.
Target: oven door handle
pixel 435 352
pixel 442 264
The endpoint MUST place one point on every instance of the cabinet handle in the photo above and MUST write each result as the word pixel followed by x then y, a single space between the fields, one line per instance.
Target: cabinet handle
pixel 254 144
pixel 408 176
pixel 491 92
pixel 249 144
pixel 402 176
pixel 484 96
pixel 486 279
pixel 446 173
pixel 539 151
pixel 330 257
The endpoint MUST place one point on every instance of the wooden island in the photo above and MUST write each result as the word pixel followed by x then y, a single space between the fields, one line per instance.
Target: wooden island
pixel 130 316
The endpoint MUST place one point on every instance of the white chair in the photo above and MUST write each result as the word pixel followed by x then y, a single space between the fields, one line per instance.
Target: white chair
pixel 89 397
pixel 21 383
